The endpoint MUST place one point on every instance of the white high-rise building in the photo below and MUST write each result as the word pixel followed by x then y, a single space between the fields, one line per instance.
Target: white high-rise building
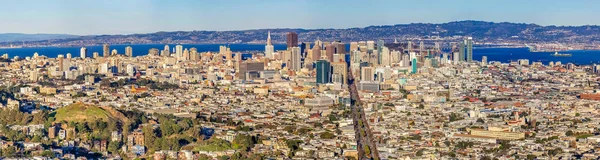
pixel 385 57
pixel 83 52
pixel 456 57
pixel 129 51
pixel 295 59
pixel 269 49
pixel 130 70
pixel 178 51
pixel 370 45
pixel 103 68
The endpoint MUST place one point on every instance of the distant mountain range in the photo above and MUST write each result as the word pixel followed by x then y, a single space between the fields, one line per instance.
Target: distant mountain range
pixel 18 37
pixel 450 32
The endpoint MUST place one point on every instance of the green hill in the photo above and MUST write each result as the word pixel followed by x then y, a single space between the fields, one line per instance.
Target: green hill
pixel 80 112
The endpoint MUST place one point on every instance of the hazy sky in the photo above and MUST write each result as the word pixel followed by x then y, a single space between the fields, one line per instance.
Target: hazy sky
pixel 85 17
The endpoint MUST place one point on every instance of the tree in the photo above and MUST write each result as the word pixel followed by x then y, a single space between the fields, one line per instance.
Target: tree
pixel 113 147
pixel 419 153
pixel 149 137
pixel 479 120
pixel 569 133
pixel 327 135
pixel 48 153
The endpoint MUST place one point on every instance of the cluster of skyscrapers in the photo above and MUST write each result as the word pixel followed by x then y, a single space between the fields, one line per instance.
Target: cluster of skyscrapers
pixel 370 60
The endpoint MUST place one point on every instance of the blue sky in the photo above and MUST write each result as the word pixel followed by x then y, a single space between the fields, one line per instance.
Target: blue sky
pixel 85 17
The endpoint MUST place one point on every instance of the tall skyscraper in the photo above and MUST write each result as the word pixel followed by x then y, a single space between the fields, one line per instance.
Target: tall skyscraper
pixel 269 49
pixel 469 43
pixel 129 51
pixel 296 64
pixel 330 50
pixel 340 48
pixel 339 72
pixel 461 51
pixel 455 57
pixel 105 50
pixel 83 52
pixel 414 65
pixel 380 45
pixel 353 46
pixel 323 71
pixel 370 46
pixel 60 58
pixel 316 52
pixel 384 57
pixel 179 51
pixel 292 39
pixel 304 46
pixel 186 54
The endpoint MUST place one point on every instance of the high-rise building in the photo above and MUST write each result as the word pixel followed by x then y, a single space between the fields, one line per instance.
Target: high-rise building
pixel 340 48
pixel 304 47
pixel 129 51
pixel 83 52
pixel 353 46
pixel 414 65
pixel 186 54
pixel 367 74
pixel 292 39
pixel 316 52
pixel 421 47
pixel 33 75
pixel 469 43
pixel 384 57
pixel 194 54
pixel 330 50
pixel 461 51
pixel 380 45
pixel 339 73
pixel 178 51
pixel 370 46
pixel 60 58
pixel 166 51
pixel 114 52
pixel 249 67
pixel 296 64
pixel 323 71
pixel 484 61
pixel 269 49
pixel 105 50
pixel 69 56
pixel 455 57
pixel 95 55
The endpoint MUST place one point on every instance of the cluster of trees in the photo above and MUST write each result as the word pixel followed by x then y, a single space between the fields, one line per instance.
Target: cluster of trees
pixel 455 117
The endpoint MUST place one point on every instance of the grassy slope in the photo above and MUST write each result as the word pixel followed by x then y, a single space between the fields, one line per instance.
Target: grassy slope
pixel 80 112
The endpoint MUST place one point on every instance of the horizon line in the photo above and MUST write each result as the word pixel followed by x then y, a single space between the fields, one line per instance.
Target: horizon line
pixel 283 28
